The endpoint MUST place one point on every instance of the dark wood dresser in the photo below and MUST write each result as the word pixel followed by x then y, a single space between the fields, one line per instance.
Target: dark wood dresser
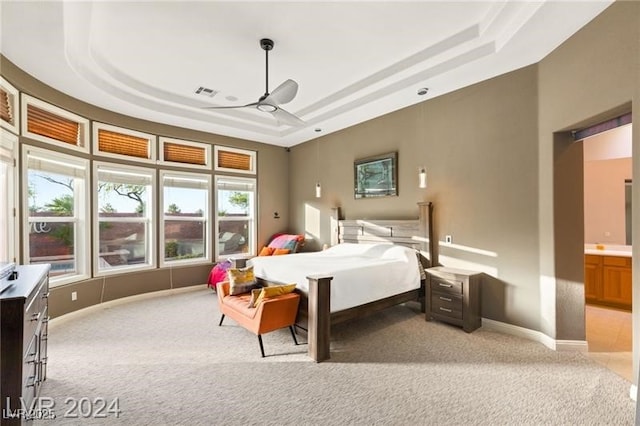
pixel 453 296
pixel 23 339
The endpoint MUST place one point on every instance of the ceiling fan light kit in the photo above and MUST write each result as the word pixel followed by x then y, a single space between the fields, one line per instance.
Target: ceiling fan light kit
pixel 270 102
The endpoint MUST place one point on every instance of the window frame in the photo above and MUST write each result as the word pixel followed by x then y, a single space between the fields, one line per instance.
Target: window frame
pixel 149 218
pixel 151 139
pixel 206 218
pixel 82 122
pixel 251 154
pixel 9 143
pixel 252 218
pixel 12 91
pixel 81 216
pixel 207 153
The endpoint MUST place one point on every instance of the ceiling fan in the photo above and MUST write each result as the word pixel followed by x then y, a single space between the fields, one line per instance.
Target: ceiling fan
pixel 270 102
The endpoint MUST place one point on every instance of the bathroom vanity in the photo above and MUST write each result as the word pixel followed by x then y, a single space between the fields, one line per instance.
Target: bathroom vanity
pixel 607 276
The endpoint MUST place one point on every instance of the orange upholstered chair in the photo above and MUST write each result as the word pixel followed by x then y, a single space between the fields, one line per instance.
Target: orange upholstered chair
pixel 271 314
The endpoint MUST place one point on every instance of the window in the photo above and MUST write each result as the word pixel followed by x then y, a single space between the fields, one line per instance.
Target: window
pixel 117 142
pixel 185 218
pixel 235 160
pixel 181 153
pixel 9 117
pixel 56 197
pixel 235 216
pixel 124 228
pixel 8 191
pixel 48 123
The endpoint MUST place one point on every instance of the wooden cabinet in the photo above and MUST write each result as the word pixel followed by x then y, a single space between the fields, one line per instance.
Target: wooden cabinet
pixel 453 296
pixel 23 340
pixel 607 280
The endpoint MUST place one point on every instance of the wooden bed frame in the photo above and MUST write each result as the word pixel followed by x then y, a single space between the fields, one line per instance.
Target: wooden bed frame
pixel 314 314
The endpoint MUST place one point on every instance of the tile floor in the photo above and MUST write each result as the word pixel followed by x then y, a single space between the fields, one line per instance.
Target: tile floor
pixel 609 338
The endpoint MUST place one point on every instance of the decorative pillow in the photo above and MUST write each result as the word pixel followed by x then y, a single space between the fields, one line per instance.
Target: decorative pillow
pixel 266 251
pixel 271 291
pixel 254 296
pixel 287 241
pixel 241 280
pixel 219 273
pixel 277 252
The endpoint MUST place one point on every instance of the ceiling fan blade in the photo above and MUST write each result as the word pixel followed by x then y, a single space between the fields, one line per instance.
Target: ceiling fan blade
pixel 283 93
pixel 232 106
pixel 285 117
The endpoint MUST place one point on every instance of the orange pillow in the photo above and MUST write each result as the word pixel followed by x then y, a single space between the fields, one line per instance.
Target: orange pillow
pixel 278 251
pixel 266 251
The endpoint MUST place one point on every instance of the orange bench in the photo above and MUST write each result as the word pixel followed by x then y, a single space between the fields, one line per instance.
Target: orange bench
pixel 271 314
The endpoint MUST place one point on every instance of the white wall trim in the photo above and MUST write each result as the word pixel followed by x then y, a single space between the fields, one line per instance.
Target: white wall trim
pixel 536 336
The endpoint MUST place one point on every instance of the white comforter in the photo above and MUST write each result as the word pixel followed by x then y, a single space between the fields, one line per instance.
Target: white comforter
pixel 362 273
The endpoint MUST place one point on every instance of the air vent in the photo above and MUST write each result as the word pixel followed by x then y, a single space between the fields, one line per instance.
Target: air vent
pixel 205 91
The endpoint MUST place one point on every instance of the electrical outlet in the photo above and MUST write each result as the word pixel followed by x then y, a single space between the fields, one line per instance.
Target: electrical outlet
pixel 447 239
pixel 74 296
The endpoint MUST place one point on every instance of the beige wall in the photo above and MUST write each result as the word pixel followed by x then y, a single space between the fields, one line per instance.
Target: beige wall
pixel 604 200
pixel 273 173
pixel 479 149
pixel 593 76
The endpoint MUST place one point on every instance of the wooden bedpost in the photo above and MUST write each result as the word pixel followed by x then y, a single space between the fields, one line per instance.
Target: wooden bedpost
pixel 426 224
pixel 319 322
pixel 335 230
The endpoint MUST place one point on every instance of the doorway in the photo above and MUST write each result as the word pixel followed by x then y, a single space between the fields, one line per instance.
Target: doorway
pixel 607 213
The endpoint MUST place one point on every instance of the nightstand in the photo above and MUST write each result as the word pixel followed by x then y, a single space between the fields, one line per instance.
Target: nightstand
pixel 453 296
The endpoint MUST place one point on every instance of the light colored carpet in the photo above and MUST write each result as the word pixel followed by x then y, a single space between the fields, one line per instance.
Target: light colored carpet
pixel 168 363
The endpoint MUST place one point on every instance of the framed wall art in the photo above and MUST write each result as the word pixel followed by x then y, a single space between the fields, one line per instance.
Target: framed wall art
pixel 376 176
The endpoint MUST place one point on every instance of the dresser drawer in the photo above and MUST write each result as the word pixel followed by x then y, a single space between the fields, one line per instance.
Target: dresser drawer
pixel 446 285
pixel 446 304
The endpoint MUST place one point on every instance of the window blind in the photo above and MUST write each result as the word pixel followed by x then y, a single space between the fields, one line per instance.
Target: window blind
pixel 123 144
pixel 50 125
pixel 5 107
pixel 234 160
pixel 184 154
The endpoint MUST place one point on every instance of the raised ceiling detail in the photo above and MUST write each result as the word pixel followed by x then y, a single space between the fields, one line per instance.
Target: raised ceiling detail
pixel 353 61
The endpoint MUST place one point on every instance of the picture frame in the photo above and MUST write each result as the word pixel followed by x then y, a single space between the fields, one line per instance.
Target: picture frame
pixel 376 176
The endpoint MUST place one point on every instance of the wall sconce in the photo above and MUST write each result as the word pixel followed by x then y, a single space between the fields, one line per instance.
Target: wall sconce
pixel 276 215
pixel 422 177
pixel 318 190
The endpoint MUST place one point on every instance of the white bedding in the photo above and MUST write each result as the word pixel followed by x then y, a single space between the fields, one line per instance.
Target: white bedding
pixel 362 273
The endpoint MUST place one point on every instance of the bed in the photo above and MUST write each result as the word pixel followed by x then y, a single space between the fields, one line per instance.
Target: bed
pixel 371 265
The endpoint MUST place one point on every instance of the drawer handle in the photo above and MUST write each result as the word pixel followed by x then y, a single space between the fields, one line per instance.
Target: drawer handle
pixel 46 295
pixel 46 320
pixel 445 285
pixel 445 309
pixel 446 299
pixel 35 317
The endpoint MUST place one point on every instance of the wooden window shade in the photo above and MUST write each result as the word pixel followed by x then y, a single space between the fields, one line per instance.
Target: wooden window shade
pixel 5 107
pixel 184 154
pixel 234 160
pixel 122 144
pixel 50 125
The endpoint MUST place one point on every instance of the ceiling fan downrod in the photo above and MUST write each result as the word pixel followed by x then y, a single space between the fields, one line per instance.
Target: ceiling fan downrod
pixel 266 44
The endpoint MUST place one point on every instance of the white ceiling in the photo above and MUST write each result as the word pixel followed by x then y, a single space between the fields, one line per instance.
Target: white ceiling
pixel 353 60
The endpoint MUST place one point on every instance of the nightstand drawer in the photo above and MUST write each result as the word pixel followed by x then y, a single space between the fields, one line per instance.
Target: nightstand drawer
pixel 446 285
pixel 446 304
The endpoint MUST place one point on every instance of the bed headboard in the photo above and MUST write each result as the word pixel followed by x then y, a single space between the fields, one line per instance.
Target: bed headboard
pixel 414 233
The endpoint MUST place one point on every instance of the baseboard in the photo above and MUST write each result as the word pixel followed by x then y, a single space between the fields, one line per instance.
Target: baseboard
pixel 633 392
pixel 536 336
